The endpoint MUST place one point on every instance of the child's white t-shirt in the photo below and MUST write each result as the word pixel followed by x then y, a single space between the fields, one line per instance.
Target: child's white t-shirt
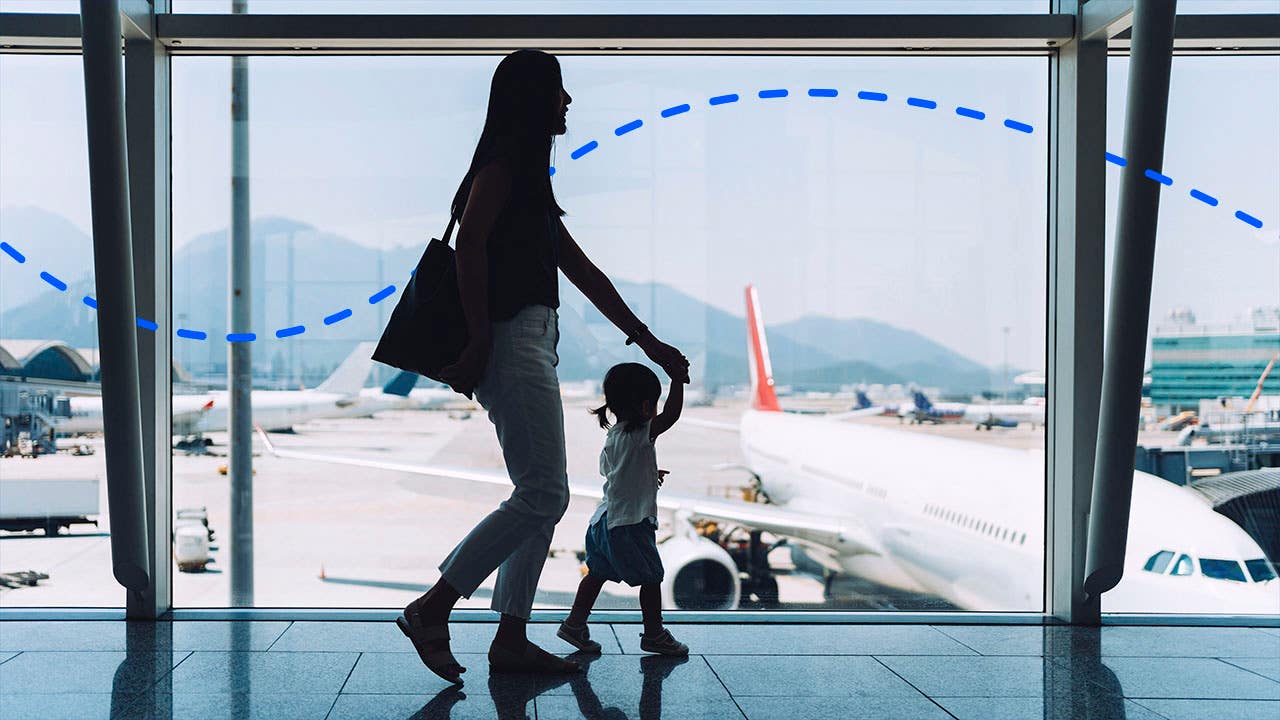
pixel 629 465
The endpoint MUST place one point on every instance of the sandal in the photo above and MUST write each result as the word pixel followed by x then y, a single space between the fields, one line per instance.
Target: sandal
pixel 432 644
pixel 532 659
pixel 578 636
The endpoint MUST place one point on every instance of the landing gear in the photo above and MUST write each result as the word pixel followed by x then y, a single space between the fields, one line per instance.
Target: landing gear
pixel 196 444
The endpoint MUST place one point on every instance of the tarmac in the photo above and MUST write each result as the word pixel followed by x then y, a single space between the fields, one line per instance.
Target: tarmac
pixel 328 535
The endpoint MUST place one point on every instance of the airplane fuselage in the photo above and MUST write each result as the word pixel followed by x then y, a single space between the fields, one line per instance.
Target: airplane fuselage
pixel 965 520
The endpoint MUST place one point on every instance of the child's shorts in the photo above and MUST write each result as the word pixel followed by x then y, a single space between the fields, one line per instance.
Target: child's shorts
pixel 627 553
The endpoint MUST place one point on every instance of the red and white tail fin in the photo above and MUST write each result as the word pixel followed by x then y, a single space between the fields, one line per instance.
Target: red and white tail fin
pixel 762 395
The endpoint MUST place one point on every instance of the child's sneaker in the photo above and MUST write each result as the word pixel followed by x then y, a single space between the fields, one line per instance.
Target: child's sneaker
pixel 663 644
pixel 578 636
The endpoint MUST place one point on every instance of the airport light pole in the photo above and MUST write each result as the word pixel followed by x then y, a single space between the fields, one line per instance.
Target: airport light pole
pixel 1004 373
pixel 240 359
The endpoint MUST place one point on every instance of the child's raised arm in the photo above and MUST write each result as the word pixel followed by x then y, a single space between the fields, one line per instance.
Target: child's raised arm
pixel 670 411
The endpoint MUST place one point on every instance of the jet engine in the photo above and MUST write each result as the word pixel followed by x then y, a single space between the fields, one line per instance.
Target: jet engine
pixel 699 574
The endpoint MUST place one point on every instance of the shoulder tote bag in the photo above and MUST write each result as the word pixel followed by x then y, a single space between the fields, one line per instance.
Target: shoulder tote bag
pixel 427 330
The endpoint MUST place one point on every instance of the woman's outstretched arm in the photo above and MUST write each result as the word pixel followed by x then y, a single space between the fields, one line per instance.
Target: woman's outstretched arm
pixel 600 291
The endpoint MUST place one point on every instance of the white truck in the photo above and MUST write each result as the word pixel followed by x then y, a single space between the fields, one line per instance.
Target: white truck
pixel 49 504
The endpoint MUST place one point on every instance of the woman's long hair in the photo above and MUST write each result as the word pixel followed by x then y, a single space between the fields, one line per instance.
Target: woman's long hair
pixel 524 105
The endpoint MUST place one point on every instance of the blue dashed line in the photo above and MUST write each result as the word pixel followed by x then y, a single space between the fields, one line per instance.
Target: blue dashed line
pixel 1209 200
pixel 624 129
pixel 61 286
pixel 1248 219
pixel 12 252
pixel 338 316
pixel 621 130
pixel 382 294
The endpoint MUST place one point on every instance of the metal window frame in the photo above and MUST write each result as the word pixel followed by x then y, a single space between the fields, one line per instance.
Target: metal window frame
pixel 1074 234
pixel 1004 34
pixel 147 109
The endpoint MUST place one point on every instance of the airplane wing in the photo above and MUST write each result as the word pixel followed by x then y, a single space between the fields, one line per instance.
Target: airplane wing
pixel 710 424
pixel 808 527
pixel 836 417
pixel 862 412
pixel 821 530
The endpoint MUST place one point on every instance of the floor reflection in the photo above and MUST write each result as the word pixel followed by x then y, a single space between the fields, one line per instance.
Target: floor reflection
pixel 237 674
pixel 1077 683
pixel 511 694
pixel 144 678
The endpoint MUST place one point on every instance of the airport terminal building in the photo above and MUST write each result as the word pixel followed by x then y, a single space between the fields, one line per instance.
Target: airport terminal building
pixel 1192 362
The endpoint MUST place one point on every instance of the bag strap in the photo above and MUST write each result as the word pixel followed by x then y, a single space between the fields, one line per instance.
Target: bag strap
pixel 448 231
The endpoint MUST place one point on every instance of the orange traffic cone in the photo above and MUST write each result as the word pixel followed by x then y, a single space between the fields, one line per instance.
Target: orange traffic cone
pixel 322 571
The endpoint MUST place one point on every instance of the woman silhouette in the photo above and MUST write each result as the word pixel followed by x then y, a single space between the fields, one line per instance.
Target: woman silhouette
pixel 511 243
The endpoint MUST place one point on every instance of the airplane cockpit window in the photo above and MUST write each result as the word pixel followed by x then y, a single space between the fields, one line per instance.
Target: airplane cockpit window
pixel 1260 570
pixel 1183 566
pixel 1159 562
pixel 1222 569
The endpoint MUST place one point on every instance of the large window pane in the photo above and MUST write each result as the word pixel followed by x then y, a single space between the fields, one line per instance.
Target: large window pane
pixel 49 392
pixel 1214 327
pixel 893 247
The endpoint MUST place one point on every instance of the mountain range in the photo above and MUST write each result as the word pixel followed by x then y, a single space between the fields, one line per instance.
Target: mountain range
pixel 302 274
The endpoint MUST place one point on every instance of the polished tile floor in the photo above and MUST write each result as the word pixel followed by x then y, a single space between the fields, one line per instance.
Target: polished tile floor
pixel 241 669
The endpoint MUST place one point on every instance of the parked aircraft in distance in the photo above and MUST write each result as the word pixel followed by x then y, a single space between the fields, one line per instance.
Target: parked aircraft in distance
pixel 937 516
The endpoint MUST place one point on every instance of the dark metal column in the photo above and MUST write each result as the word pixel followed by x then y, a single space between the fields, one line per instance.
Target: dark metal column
pixel 113 272
pixel 1135 245
pixel 240 358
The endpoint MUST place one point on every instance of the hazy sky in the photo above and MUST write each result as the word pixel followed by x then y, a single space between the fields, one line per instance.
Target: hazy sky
pixel 838 206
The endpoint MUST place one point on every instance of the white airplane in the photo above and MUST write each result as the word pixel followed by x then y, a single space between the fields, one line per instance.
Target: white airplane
pixel 1005 415
pixel 189 412
pixel 400 394
pixel 337 396
pixel 342 394
pixel 954 519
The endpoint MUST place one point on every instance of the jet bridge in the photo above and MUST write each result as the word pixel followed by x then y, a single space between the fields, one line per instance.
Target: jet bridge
pixel 29 414
pixel 1251 499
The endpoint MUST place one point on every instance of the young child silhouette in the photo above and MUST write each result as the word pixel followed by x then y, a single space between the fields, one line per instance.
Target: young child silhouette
pixel 620 543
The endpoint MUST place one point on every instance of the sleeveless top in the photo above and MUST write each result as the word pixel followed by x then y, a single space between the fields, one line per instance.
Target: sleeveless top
pixel 629 465
pixel 523 258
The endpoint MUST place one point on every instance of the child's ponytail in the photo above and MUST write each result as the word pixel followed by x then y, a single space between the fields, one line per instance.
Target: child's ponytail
pixel 602 415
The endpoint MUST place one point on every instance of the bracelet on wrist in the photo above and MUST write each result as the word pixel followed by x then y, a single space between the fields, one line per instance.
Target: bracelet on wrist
pixel 637 333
